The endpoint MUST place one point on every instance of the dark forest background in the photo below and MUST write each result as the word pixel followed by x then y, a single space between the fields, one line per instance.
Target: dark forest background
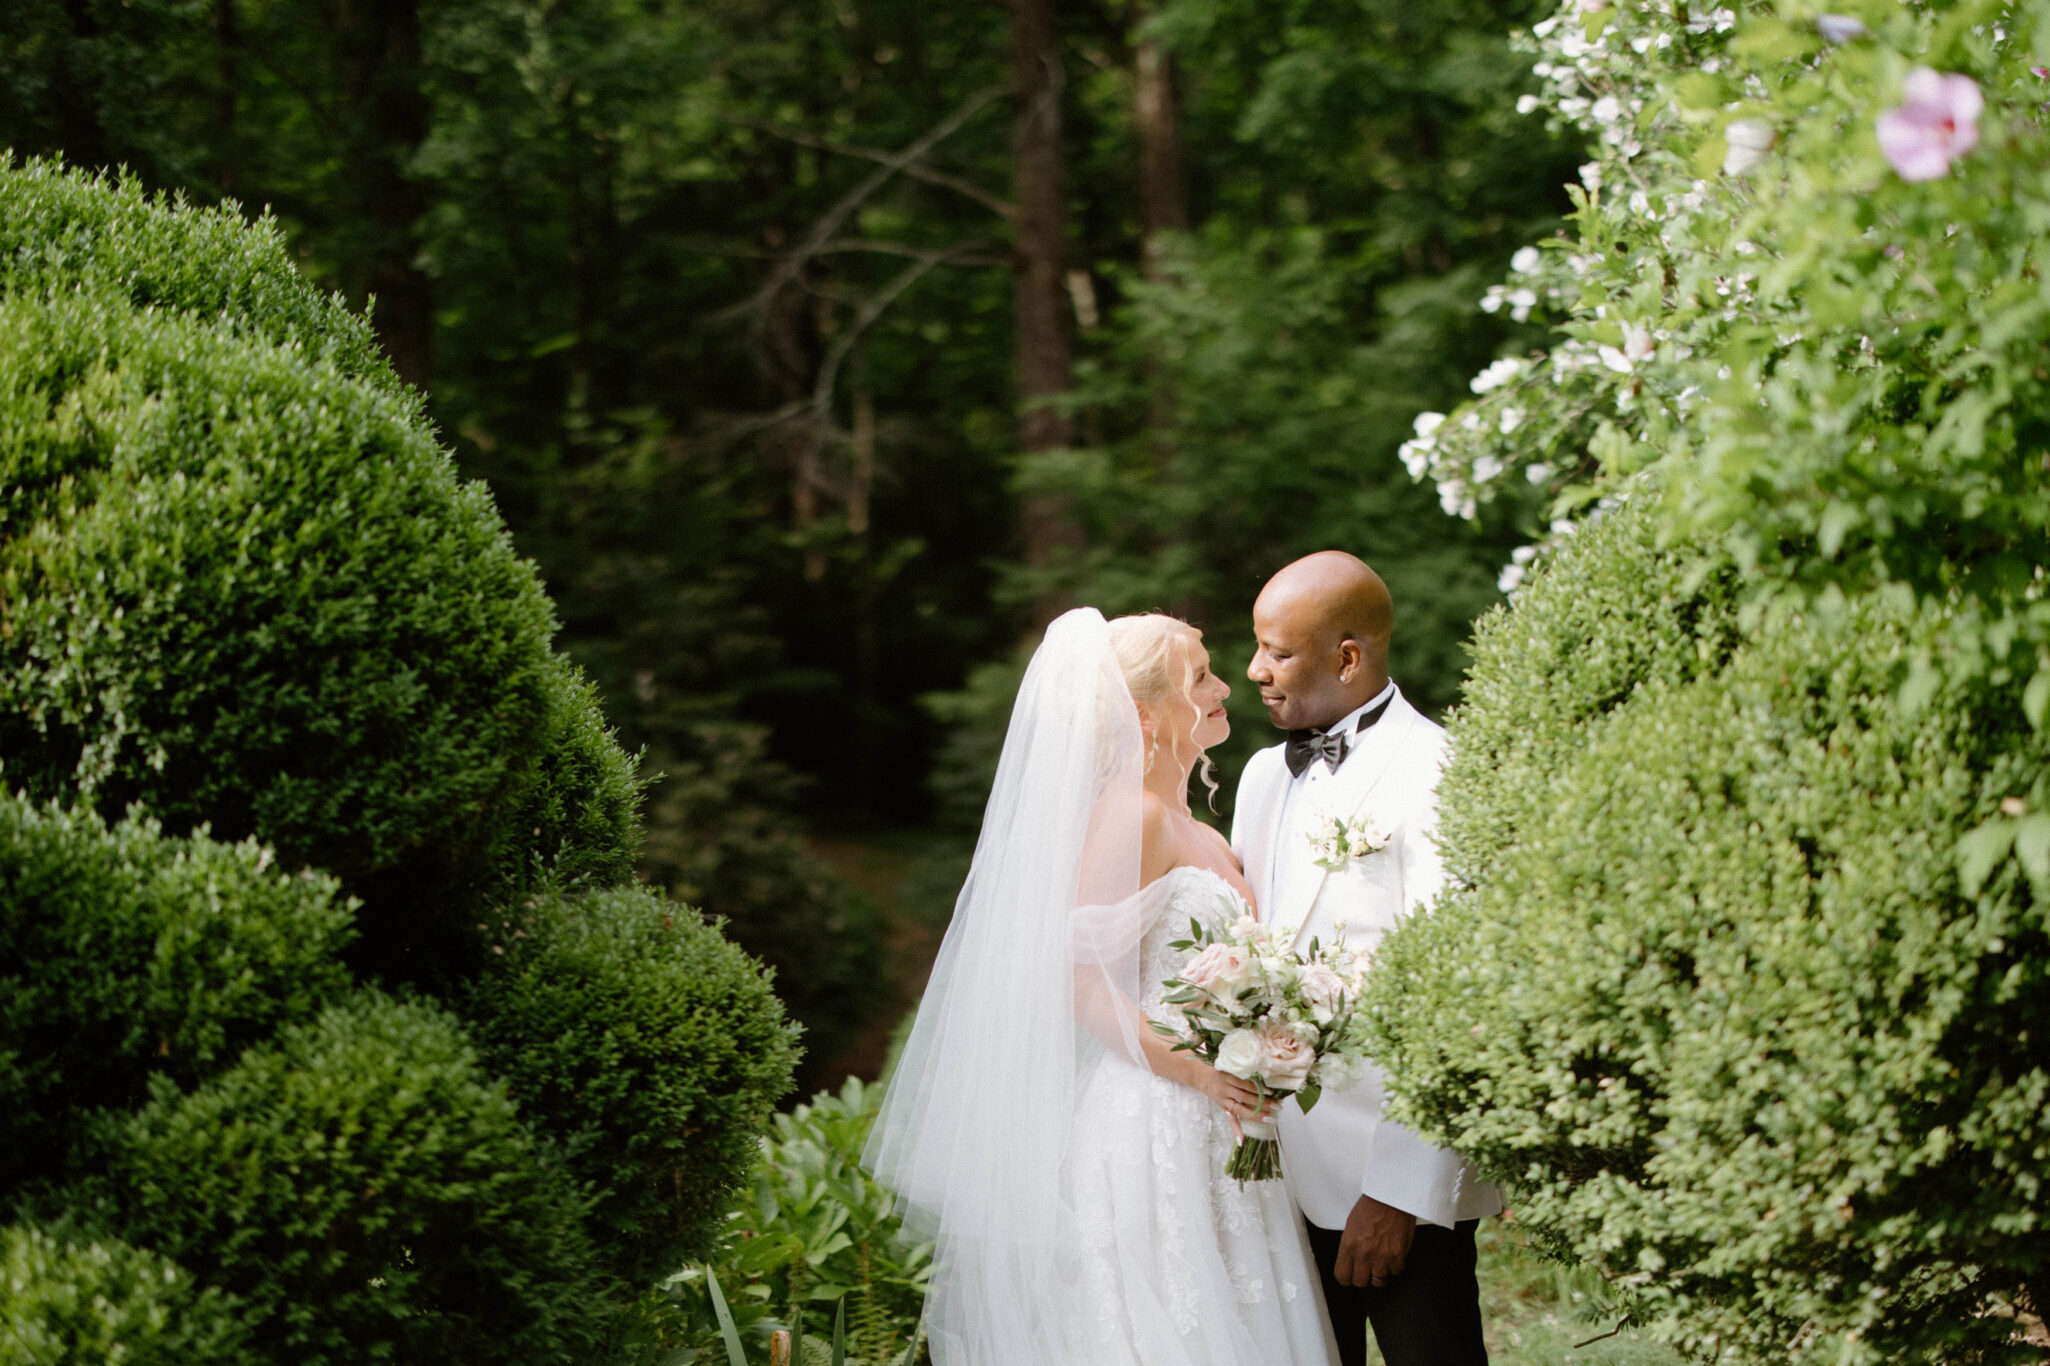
pixel 819 351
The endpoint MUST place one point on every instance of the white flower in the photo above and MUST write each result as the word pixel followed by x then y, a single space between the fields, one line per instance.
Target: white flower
pixel 1338 1071
pixel 1239 1054
pixel 1637 342
pixel 1525 260
pixel 1486 467
pixel 1538 472
pixel 1416 457
pixel 1511 419
pixel 1526 104
pixel 1839 28
pixel 1427 424
pixel 1748 140
pixel 1591 176
pixel 1607 109
pixel 1521 301
pixel 1496 375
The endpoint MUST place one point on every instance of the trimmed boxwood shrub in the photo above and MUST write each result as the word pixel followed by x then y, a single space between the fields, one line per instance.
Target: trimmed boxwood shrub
pixel 243 589
pixel 652 1048
pixel 1718 997
pixel 579 820
pixel 124 954
pixel 93 1302
pixel 62 231
pixel 367 1194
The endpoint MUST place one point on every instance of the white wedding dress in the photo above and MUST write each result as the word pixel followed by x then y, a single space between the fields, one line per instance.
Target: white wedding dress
pixel 1168 1261
pixel 1077 1203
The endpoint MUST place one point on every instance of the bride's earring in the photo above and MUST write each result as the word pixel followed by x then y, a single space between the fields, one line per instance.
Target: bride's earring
pixel 1153 751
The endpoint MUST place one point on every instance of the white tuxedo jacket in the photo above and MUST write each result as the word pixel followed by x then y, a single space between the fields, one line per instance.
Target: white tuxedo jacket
pixel 1344 1148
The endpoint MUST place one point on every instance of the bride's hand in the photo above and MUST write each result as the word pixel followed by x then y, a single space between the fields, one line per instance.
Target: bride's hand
pixel 1235 1097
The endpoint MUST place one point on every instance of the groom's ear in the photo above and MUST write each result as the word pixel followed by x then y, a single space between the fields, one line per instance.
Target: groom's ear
pixel 1350 658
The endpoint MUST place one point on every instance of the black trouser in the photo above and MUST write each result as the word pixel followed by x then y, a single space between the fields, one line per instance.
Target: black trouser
pixel 1430 1315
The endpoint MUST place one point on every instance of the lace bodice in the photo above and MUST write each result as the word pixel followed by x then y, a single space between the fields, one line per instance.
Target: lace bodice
pixel 1180 895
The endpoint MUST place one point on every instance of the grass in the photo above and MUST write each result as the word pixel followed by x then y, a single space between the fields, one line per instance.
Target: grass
pixel 1537 1309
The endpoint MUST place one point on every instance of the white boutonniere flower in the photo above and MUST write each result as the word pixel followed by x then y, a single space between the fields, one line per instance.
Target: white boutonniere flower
pixel 1337 840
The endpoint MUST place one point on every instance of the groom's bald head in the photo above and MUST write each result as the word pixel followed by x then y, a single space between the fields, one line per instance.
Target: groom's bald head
pixel 1322 625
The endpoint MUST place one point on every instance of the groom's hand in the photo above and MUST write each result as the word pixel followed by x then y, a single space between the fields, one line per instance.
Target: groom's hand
pixel 1375 1245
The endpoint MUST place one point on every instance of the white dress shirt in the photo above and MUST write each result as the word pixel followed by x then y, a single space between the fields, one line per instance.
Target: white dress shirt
pixel 1305 800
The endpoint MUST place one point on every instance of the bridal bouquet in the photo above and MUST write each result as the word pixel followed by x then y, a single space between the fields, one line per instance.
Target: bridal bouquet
pixel 1284 1021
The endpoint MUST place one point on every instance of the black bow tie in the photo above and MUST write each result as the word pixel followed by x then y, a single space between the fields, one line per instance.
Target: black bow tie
pixel 1305 747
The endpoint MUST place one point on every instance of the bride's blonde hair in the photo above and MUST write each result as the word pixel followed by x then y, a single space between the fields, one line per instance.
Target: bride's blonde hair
pixel 1144 646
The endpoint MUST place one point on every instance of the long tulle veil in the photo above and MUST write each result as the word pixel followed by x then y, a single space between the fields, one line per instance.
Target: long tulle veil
pixel 1032 988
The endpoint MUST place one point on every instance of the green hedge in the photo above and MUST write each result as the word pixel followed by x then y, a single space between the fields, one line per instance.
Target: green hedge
pixel 124 954
pixel 61 232
pixel 367 1193
pixel 246 590
pixel 97 1302
pixel 1714 998
pixel 652 1048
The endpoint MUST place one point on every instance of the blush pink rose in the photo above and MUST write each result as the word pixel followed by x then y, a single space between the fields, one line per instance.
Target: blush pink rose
pixel 1936 123
pixel 1285 1060
pixel 1325 991
pixel 1221 970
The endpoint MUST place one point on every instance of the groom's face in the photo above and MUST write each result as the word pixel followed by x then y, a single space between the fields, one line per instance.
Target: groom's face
pixel 1301 665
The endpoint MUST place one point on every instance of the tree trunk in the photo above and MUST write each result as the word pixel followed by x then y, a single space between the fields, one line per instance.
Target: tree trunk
pixel 379 42
pixel 1163 199
pixel 1045 356
pixel 227 82
pixel 1163 206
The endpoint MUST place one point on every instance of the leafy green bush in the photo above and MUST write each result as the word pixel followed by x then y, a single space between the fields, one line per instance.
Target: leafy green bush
pixel 579 822
pixel 61 231
pixel 124 955
pixel 366 1192
pixel 1717 998
pixel 815 1233
pixel 649 1046
pixel 66 1302
pixel 244 590
pixel 1741 988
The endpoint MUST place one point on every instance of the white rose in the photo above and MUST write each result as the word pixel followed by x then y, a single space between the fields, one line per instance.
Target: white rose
pixel 1239 1054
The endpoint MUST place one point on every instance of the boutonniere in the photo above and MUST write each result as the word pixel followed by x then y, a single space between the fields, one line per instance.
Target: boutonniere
pixel 1337 840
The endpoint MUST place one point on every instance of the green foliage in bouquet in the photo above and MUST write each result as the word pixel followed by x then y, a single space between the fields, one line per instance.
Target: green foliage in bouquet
pixel 649 1046
pixel 243 596
pixel 66 1301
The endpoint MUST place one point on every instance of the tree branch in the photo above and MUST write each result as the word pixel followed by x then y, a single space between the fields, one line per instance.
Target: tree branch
pixel 918 170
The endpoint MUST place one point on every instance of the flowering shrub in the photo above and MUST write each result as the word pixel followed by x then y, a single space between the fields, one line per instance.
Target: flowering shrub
pixel 1740 982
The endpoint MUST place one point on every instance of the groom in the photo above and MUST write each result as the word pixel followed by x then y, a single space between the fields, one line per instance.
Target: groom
pixel 1391 1218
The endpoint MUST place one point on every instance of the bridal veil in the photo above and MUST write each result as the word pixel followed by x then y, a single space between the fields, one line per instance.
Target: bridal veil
pixel 1033 987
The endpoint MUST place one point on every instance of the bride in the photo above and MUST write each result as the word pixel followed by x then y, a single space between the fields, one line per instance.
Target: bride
pixel 1067 1163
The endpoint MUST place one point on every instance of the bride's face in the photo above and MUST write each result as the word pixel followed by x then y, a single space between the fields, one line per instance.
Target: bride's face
pixel 1200 715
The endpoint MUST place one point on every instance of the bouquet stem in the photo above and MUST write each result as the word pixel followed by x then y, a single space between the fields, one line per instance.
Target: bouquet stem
pixel 1257 1157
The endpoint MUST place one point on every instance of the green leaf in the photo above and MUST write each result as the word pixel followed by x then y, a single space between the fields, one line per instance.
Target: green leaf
pixel 729 1334
pixel 2036 698
pixel 2032 846
pixel 1308 1097
pixel 1981 851
pixel 840 1333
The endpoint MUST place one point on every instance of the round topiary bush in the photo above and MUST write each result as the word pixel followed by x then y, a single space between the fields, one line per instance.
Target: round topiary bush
pixel 1717 997
pixel 125 955
pixel 649 1046
pixel 243 589
pixel 244 597
pixel 366 1193
pixel 69 1301
pixel 62 232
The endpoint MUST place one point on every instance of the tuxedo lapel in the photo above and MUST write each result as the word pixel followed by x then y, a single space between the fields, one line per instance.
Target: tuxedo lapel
pixel 1262 825
pixel 1348 795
